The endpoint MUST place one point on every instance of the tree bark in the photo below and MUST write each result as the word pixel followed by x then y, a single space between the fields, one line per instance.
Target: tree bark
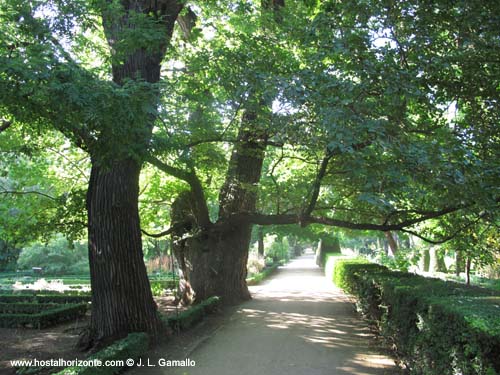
pixel 122 301
pixel 468 264
pixel 459 262
pixel 436 263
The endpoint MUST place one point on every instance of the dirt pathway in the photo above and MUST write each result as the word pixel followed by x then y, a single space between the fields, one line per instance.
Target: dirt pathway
pixel 297 323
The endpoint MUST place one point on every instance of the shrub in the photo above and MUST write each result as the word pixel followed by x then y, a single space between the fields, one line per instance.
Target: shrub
pixel 45 298
pixel 186 319
pixel 41 318
pixel 133 346
pixel 25 308
pixel 58 256
pixel 257 278
pixel 255 264
pixel 279 250
pixel 436 327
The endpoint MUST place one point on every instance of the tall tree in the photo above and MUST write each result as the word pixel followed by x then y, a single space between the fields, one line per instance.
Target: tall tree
pixel 112 119
pixel 364 139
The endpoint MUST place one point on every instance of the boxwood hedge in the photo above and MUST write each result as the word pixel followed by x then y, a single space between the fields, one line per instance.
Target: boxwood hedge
pixel 436 327
pixel 25 308
pixel 265 273
pixel 42 316
pixel 44 298
pixel 186 319
pixel 133 346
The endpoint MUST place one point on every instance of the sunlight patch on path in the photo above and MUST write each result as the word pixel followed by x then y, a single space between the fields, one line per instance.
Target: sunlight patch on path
pixel 297 323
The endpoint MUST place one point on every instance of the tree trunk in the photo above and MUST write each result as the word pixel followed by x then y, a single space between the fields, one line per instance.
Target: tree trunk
pixel 122 301
pixel 393 245
pixel 214 259
pixel 468 264
pixel 436 263
pixel 425 260
pixel 459 262
pixel 260 241
pixel 212 262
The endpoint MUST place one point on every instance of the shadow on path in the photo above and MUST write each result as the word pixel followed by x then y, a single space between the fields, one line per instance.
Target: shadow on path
pixel 297 323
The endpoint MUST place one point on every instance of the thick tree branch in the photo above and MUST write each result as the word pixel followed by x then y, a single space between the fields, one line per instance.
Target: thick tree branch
pixel 192 179
pixel 164 233
pixel 317 185
pixel 449 237
pixel 187 22
pixel 261 219
pixel 4 125
pixel 323 171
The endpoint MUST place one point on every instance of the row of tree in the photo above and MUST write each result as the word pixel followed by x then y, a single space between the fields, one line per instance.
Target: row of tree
pixel 362 115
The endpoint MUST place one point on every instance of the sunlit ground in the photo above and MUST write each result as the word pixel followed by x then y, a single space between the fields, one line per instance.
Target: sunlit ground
pixel 302 301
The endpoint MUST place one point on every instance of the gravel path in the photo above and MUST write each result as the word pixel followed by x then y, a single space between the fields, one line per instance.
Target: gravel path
pixel 297 323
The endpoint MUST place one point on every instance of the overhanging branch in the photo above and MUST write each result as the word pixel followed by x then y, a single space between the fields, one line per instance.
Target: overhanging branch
pixel 262 219
pixel 447 238
pixel 192 179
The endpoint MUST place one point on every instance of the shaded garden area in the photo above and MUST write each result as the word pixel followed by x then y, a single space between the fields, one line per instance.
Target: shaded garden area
pixel 158 155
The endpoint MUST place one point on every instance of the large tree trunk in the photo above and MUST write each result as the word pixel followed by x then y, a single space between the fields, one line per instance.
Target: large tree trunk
pixel 212 262
pixel 214 259
pixel 122 301
pixel 218 271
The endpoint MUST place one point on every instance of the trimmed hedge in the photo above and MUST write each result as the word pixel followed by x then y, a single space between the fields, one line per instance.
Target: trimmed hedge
pixel 25 308
pixel 436 327
pixel 44 298
pixel 133 346
pixel 188 318
pixel 257 278
pixel 45 317
pixel 43 292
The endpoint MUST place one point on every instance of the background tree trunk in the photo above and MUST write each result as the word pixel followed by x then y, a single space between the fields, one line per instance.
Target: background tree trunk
pixel 393 245
pixel 260 241
pixel 459 262
pixel 436 263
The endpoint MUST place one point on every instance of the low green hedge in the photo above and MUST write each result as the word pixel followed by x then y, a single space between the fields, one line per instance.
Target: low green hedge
pixel 44 298
pixel 186 319
pixel 25 308
pixel 265 273
pixel 44 318
pixel 436 327
pixel 133 346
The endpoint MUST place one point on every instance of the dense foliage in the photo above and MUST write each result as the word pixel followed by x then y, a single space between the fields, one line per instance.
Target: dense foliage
pixel 56 257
